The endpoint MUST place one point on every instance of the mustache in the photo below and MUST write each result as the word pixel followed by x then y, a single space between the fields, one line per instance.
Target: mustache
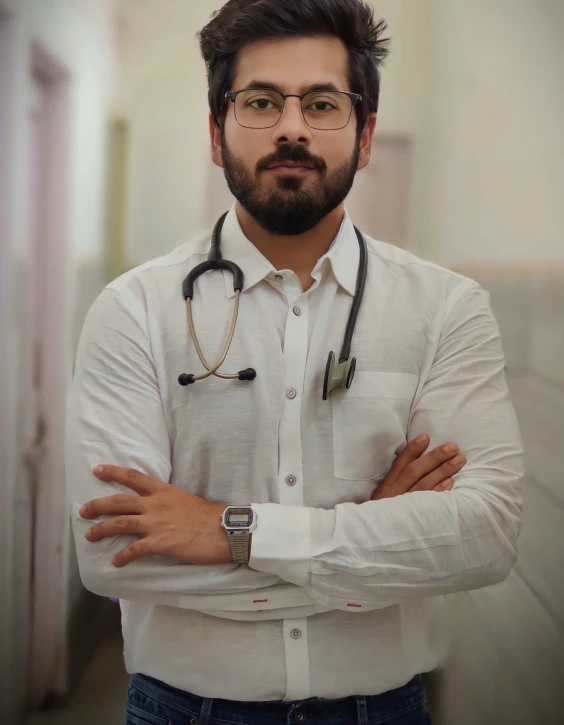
pixel 295 154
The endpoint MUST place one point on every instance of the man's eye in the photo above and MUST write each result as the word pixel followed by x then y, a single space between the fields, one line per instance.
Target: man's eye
pixel 321 106
pixel 262 104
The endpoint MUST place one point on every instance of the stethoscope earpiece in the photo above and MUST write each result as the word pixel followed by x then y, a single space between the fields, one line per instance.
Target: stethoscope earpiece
pixel 186 380
pixel 336 374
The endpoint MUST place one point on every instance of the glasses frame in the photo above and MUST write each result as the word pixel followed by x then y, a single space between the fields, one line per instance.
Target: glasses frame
pixel 232 96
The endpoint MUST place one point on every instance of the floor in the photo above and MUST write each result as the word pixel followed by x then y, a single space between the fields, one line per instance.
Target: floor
pixel 100 697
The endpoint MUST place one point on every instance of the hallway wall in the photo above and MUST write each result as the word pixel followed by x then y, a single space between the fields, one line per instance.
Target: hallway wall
pixel 497 163
pixel 78 35
pixel 497 172
pixel 507 641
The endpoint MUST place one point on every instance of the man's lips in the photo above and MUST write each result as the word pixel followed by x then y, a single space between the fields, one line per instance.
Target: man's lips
pixel 290 168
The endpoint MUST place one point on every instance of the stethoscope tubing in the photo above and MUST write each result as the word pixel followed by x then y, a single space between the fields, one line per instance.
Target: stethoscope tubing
pixel 216 262
pixel 214 370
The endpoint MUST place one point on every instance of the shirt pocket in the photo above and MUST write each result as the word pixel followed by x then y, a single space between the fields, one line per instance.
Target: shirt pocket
pixel 370 423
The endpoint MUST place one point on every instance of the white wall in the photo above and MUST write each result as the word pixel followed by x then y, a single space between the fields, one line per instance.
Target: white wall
pixel 498 158
pixel 164 96
pixel 77 33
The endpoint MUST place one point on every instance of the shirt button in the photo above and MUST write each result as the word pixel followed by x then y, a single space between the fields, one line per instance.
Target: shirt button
pixel 291 480
pixel 291 394
pixel 296 633
pixel 297 311
pixel 278 278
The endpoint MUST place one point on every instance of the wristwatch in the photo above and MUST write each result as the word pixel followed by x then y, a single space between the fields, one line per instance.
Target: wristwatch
pixel 239 522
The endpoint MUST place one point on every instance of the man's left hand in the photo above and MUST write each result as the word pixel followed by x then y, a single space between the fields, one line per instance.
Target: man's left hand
pixel 167 520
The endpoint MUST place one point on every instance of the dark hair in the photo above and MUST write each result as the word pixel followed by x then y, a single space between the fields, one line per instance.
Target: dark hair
pixel 241 22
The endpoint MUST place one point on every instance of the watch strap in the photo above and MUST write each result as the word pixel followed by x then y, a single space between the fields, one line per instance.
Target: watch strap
pixel 239 542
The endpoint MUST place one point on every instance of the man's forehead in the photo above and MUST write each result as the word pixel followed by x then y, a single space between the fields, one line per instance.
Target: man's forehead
pixel 294 64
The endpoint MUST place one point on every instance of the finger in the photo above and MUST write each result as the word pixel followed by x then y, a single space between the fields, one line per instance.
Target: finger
pixel 120 503
pixel 416 470
pixel 412 452
pixel 130 477
pixel 446 470
pixel 136 550
pixel 444 485
pixel 117 526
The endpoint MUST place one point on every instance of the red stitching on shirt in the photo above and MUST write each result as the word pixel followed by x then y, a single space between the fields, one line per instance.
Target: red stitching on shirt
pixel 259 601
pixel 359 606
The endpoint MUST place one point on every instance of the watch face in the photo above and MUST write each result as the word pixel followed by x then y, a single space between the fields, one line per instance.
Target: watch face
pixel 238 518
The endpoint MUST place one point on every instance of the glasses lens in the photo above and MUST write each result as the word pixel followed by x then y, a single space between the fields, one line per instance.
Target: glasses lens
pixel 258 108
pixel 327 111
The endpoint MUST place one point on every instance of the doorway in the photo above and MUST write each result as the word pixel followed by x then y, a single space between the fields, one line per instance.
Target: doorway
pixel 380 200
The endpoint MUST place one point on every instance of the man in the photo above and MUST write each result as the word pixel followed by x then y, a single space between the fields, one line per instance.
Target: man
pixel 337 605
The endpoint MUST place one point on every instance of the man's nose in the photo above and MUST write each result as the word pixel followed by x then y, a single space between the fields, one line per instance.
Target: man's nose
pixel 292 128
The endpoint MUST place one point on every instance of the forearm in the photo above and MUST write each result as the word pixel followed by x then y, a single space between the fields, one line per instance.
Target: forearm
pixel 380 553
pixel 158 579
pixel 115 415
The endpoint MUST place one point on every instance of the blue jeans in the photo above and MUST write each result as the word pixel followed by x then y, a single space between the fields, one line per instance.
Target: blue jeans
pixel 151 702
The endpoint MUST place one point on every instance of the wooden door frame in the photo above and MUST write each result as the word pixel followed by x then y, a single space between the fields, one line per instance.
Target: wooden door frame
pixel 12 664
pixel 48 641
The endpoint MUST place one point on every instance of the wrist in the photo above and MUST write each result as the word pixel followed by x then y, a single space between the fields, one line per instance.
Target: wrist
pixel 239 522
pixel 224 554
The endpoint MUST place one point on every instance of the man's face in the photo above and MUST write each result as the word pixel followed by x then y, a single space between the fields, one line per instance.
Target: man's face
pixel 291 202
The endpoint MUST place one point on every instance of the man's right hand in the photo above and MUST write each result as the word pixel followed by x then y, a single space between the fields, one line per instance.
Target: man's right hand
pixel 413 471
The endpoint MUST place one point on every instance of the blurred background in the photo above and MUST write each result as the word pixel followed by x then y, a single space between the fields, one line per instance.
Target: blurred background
pixel 104 164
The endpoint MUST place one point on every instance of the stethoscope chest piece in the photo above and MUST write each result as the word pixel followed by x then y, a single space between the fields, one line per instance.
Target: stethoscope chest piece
pixel 338 374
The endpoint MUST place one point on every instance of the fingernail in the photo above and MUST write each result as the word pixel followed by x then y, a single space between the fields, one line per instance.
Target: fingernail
pixel 458 461
pixel 450 448
pixel 82 510
pixel 98 470
pixel 421 439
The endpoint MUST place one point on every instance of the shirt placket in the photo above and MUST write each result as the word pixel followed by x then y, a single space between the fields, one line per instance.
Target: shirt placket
pixel 290 474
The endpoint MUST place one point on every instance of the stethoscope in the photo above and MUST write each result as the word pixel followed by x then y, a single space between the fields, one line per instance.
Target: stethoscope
pixel 336 374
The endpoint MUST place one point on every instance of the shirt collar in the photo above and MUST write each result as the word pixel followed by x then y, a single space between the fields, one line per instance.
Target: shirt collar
pixel 343 255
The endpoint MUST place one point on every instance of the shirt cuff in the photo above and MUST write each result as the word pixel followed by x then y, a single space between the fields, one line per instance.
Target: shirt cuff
pixel 282 542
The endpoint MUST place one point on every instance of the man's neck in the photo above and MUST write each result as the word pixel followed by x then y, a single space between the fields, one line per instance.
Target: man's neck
pixel 300 253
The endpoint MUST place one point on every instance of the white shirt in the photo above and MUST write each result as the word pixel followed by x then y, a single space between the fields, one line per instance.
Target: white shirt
pixel 343 595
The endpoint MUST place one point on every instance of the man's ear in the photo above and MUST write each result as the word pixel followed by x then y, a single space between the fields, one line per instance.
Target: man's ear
pixel 215 136
pixel 366 143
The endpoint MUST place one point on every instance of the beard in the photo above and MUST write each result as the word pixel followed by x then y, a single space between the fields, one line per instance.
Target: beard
pixel 289 209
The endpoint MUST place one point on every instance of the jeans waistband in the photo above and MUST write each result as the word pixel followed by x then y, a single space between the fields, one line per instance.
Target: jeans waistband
pixel 363 709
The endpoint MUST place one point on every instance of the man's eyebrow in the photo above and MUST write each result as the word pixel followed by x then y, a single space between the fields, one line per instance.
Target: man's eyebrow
pixel 257 83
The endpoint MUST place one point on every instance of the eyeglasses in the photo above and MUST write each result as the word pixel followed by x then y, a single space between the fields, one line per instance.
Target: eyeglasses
pixel 321 110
